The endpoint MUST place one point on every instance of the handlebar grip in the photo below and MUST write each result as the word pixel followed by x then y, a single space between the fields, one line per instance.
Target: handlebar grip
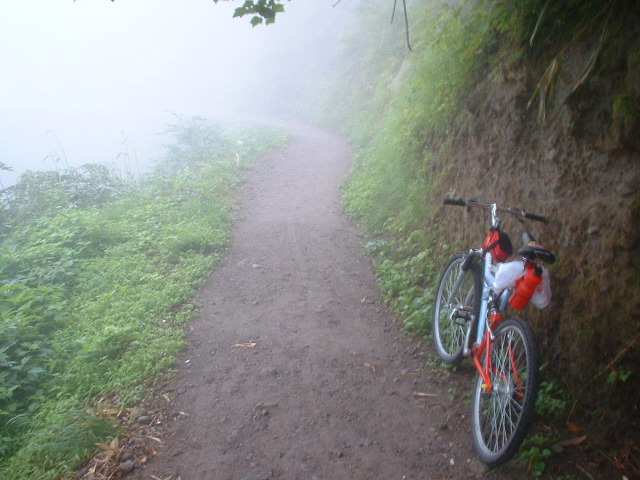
pixel 460 202
pixel 537 218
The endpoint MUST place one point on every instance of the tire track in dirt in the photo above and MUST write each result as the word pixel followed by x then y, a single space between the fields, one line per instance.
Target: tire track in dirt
pixel 327 391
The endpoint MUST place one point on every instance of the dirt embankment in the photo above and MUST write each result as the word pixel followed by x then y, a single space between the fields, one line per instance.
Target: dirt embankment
pixel 581 168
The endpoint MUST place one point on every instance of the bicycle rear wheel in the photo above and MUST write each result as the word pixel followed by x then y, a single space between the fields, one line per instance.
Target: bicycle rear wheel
pixel 502 417
pixel 457 299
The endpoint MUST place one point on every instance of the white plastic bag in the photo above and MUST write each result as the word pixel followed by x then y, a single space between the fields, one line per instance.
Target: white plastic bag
pixel 542 296
pixel 507 275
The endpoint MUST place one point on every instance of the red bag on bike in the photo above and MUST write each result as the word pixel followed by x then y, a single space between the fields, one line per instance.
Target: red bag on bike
pixel 499 244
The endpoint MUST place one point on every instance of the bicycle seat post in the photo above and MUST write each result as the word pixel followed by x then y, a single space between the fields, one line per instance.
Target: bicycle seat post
pixel 495 220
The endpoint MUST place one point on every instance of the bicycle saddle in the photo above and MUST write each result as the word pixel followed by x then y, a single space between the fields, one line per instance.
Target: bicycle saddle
pixel 531 252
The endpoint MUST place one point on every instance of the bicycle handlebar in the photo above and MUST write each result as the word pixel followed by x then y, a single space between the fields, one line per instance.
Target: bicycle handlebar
pixel 460 202
pixel 536 217
pixel 472 202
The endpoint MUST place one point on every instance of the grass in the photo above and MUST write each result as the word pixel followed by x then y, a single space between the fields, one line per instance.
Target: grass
pixel 401 110
pixel 94 294
pixel 402 106
pixel 535 453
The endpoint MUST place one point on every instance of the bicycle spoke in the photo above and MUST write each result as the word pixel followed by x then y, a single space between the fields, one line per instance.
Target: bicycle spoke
pixel 455 295
pixel 501 411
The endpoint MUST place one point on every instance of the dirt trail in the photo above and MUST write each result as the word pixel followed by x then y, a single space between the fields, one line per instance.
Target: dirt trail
pixel 327 392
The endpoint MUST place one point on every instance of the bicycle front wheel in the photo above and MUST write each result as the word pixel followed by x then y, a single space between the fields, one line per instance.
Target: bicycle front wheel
pixel 457 300
pixel 502 416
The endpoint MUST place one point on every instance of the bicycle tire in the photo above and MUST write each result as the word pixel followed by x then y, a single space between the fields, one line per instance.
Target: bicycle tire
pixel 450 348
pixel 505 395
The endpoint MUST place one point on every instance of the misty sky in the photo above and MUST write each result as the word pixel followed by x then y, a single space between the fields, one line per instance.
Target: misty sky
pixel 96 81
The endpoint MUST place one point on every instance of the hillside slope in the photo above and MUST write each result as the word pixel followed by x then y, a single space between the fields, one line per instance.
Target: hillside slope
pixel 533 105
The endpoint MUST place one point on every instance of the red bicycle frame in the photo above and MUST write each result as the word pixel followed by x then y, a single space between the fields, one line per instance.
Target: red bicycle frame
pixel 485 349
pixel 484 352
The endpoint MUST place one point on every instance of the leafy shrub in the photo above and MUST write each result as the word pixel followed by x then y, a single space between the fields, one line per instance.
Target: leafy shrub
pixel 94 291
pixel 552 400
pixel 28 317
pixel 44 193
pixel 535 452
pixel 398 104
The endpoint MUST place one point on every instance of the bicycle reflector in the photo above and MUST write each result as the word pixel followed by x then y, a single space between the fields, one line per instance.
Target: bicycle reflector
pixel 525 287
pixel 499 244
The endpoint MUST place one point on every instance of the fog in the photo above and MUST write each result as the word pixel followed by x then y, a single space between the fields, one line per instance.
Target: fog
pixel 97 81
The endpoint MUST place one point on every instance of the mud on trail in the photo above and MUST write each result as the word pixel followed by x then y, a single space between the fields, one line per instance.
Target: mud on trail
pixel 294 368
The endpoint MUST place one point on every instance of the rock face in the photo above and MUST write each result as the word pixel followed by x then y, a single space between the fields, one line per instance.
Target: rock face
pixel 571 169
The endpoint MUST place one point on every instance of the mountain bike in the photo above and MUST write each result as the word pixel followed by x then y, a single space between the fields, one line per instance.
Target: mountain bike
pixel 476 293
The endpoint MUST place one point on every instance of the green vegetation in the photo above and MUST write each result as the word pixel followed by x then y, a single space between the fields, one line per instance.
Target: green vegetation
pixel 404 112
pixel 96 274
pixel 535 452
pixel 411 116
pixel 552 400
pixel 399 114
pixel 551 406
pixel 540 447
pixel 625 115
pixel 619 376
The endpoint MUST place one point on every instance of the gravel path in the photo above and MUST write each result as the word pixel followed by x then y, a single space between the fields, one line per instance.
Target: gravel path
pixel 295 369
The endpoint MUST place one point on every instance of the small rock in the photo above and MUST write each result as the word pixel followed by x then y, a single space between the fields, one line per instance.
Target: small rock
pixel 451 462
pixel 144 420
pixel 126 456
pixel 126 466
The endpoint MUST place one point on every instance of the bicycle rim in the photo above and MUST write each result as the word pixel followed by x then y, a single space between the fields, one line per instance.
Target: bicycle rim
pixel 449 331
pixel 501 417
